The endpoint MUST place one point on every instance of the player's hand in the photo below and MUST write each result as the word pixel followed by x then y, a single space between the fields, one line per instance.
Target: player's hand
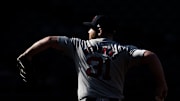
pixel 161 93
pixel 24 66
pixel 158 98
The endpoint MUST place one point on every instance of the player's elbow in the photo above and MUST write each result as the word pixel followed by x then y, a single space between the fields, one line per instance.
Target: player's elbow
pixel 51 40
pixel 149 56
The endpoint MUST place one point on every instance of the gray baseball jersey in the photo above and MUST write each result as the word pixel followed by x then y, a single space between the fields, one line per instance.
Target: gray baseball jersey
pixel 101 65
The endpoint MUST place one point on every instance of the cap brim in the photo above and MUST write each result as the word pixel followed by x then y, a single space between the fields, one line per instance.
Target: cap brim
pixel 89 24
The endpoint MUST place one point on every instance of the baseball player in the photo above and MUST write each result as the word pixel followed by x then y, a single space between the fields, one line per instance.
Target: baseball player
pixel 101 63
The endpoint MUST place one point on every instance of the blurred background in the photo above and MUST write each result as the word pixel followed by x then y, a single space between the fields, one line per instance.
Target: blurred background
pixel 153 25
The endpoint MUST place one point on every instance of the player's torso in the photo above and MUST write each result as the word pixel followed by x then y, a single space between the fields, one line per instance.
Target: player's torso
pixel 98 65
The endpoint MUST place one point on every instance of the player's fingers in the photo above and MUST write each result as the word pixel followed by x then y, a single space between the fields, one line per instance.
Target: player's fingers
pixel 22 73
pixel 20 64
pixel 21 68
pixel 24 80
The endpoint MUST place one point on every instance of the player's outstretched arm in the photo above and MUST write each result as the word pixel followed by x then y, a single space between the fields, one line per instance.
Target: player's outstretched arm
pixel 41 45
pixel 24 60
pixel 155 66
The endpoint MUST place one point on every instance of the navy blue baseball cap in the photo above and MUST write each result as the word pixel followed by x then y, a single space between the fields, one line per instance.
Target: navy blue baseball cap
pixel 101 21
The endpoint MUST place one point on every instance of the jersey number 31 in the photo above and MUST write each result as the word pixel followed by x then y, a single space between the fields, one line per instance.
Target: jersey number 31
pixel 98 68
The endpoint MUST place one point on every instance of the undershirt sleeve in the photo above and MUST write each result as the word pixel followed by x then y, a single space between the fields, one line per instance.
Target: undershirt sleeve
pixel 138 53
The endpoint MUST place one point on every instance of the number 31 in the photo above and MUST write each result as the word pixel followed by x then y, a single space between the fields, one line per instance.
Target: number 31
pixel 100 69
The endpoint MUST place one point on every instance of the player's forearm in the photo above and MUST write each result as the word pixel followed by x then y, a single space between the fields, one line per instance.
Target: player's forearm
pixel 39 46
pixel 156 67
pixel 157 70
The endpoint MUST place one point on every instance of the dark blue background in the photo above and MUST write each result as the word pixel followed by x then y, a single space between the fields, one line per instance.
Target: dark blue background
pixel 153 25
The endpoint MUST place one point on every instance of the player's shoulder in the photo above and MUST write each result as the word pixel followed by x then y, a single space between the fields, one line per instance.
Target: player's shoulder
pixel 69 38
pixel 131 46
